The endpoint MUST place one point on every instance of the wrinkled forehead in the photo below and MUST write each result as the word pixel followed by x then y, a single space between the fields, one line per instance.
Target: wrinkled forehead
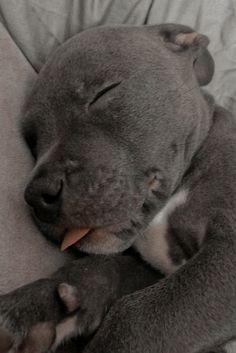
pixel 82 67
pixel 103 53
pixel 129 45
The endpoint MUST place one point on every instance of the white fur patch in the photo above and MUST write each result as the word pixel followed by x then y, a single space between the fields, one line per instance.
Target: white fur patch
pixel 231 347
pixel 153 245
pixel 65 330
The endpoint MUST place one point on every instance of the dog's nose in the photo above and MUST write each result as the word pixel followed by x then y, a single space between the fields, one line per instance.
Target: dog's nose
pixel 45 198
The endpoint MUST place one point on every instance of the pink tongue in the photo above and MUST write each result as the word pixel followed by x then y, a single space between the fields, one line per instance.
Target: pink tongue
pixel 72 236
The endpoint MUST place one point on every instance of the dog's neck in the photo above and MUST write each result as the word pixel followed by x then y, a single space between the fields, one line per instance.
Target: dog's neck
pixel 199 135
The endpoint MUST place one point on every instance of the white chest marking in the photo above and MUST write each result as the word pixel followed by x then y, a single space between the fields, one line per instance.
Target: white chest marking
pixel 231 347
pixel 65 330
pixel 153 244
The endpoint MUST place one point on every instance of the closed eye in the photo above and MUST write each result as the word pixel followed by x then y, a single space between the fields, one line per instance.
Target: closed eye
pixel 103 92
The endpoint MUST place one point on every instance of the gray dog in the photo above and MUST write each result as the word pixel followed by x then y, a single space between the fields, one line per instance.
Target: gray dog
pixel 129 147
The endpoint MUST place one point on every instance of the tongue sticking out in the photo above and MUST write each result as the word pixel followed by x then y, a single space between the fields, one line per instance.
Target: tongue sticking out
pixel 72 236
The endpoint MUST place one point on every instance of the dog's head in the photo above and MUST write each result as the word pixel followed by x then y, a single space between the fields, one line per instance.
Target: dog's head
pixel 113 121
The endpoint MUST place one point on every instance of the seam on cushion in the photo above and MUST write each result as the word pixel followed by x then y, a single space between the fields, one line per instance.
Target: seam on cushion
pixel 41 7
pixel 34 8
pixel 148 12
pixel 11 38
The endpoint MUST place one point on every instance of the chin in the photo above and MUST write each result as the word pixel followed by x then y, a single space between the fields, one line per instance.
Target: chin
pixel 98 241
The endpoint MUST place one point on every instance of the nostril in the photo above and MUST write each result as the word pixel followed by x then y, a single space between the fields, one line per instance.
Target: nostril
pixel 50 198
pixel 38 196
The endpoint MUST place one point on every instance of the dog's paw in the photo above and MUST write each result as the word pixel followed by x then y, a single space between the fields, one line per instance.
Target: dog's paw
pixel 87 289
pixel 40 316
pixel 28 318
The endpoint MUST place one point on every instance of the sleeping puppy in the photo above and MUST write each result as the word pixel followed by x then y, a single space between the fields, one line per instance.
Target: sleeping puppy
pixel 130 152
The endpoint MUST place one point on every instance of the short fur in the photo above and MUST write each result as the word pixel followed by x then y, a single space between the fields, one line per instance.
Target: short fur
pixel 119 126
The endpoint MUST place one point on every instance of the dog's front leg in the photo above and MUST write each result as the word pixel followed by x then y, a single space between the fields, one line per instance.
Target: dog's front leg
pixel 40 316
pixel 191 311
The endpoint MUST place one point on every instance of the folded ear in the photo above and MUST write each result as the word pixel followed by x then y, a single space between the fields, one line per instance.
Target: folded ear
pixel 179 38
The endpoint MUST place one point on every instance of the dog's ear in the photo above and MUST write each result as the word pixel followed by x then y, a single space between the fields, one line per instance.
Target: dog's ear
pixel 179 38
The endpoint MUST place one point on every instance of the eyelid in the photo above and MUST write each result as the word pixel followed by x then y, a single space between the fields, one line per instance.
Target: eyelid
pixel 104 91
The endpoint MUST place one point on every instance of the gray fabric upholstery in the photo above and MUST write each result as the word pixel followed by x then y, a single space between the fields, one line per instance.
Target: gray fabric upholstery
pixel 24 254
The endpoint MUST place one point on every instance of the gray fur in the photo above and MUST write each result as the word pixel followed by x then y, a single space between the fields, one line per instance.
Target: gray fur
pixel 121 125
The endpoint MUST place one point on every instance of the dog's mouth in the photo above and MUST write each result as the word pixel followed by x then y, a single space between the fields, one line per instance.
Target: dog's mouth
pixel 108 238
pixel 72 236
pixel 96 238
